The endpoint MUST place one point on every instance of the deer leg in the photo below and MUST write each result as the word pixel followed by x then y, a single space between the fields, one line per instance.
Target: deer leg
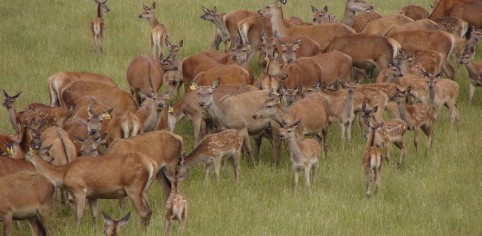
pixel 314 169
pixel 34 224
pixel 94 210
pixel 376 178
pixel 348 131
pixel 415 137
pixel 101 44
pixel 167 226
pixel 7 223
pixel 196 123
pixel 387 152
pixel 367 181
pixel 145 212
pixel 324 134
pixel 206 170
pixel 235 159
pixel 247 145
pixel 257 146
pixel 403 152
pixel 297 176
pixel 183 221
pixel 471 93
pixel 80 201
pixel 342 132
pixel 43 216
pixel 217 166
pixel 276 144
pixel 307 176
pixel 427 129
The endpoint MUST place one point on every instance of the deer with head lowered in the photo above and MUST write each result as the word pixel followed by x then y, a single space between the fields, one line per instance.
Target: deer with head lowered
pixel 372 160
pixel 88 179
pixel 417 116
pixel 304 155
pixel 212 149
pixel 474 70
pixel 26 195
pixel 393 131
pixel 97 26
pixel 158 31
pixel 111 226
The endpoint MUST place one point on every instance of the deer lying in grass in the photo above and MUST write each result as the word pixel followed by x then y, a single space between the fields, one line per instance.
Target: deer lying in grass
pixel 60 80
pixel 372 160
pixel 88 179
pixel 176 208
pixel 304 155
pixel 473 69
pixel 212 149
pixel 158 31
pixel 97 26
pixel 26 195
pixel 393 131
pixel 112 227
pixel 417 116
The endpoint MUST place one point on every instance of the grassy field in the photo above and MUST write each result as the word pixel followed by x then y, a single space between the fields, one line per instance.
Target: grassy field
pixel 438 194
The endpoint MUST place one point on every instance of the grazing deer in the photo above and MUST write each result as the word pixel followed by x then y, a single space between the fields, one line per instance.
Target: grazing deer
pixel 60 80
pixel 176 208
pixel 393 131
pixel 415 12
pixel 322 16
pixel 97 26
pixel 322 34
pixel 372 160
pixel 158 31
pixel 112 227
pixel 88 179
pixel 473 69
pixel 304 155
pixel 212 149
pixel 26 195
pixel 417 116
pixel 221 28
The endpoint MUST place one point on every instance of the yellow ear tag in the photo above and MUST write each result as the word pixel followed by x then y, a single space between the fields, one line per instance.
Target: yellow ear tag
pixel 10 151
pixel 266 58
pixel 171 110
pixel 31 151
pixel 279 4
pixel 193 87
pixel 279 101
pixel 75 141
pixel 107 116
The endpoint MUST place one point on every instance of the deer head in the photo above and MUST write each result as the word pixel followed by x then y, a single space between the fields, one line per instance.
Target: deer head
pixel 112 227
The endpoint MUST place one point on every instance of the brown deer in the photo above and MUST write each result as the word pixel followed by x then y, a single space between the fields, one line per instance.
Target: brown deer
pixel 158 31
pixel 97 26
pixel 322 16
pixel 381 50
pixel 144 76
pixel 393 131
pixel 235 112
pixel 26 195
pixel 176 208
pixel 351 7
pixel 415 12
pixel 362 19
pixel 473 69
pixel 381 25
pixel 87 179
pixel 212 149
pixel 453 25
pixel 10 147
pixel 227 75
pixel 467 10
pixel 221 28
pixel 322 34
pixel 304 155
pixel 293 48
pixel 112 227
pixel 439 41
pixel 163 147
pixel 313 110
pixel 372 161
pixel 417 116
pixel 60 80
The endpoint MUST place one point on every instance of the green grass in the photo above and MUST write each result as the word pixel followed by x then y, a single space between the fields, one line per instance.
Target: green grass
pixel 438 194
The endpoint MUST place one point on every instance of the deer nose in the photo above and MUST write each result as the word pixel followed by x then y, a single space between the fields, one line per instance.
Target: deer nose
pixel 281 137
pixel 234 57
pixel 201 104
pixel 140 16
pixel 93 131
pixel 255 116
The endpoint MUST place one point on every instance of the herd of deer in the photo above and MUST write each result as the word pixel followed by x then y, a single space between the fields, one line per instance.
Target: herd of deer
pixel 96 140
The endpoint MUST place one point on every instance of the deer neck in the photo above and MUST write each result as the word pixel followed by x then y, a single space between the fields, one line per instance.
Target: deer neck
pixel 294 148
pixel 278 24
pixel 348 16
pixel 99 11
pixel 153 22
pixel 54 173
pixel 404 115
pixel 221 25
pixel 194 157
pixel 473 73
pixel 12 117
pixel 149 117
pixel 371 139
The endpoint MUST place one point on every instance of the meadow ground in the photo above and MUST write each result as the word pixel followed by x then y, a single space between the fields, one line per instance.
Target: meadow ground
pixel 438 194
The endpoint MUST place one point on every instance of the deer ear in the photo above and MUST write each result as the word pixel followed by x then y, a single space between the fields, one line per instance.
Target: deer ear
pixel 375 109
pixel 124 219
pixel 205 10
pixel 407 91
pixel 78 139
pixel 364 106
pixel 296 123
pixel 153 5
pixel 181 43
pixel 214 9
pixel 216 82
pixel 107 219
pixel 325 9
pixel 313 9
